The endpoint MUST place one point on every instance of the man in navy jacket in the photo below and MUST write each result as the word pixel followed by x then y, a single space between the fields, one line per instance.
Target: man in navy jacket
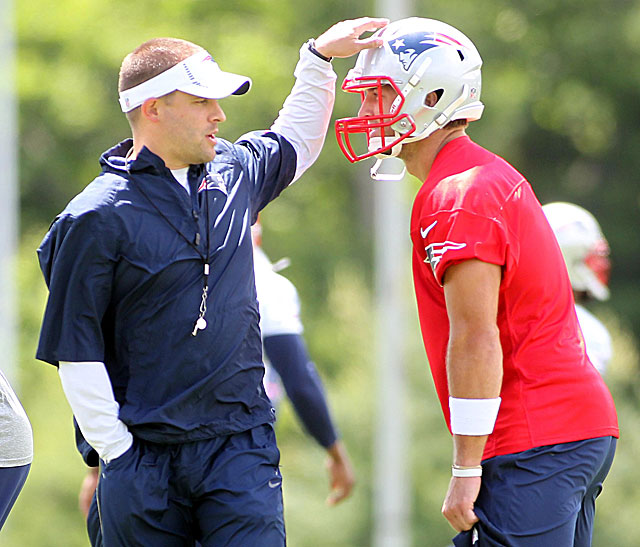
pixel 152 317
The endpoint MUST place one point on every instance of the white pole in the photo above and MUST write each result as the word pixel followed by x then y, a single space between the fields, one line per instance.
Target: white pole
pixel 8 191
pixel 392 262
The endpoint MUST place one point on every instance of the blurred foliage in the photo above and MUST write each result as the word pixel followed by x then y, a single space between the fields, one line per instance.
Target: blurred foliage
pixel 560 89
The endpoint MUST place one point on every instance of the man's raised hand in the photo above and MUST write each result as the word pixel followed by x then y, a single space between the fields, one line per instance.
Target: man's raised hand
pixel 343 38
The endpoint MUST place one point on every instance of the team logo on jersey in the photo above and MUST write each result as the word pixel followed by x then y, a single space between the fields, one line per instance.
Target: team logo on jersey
pixel 213 181
pixel 435 251
pixel 410 46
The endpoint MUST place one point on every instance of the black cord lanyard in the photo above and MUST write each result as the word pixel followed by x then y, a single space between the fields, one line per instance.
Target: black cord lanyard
pixel 201 322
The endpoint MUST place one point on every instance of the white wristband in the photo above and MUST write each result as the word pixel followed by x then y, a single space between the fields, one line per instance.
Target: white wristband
pixel 459 471
pixel 473 416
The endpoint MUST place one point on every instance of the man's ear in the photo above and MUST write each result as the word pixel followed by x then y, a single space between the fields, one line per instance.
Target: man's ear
pixel 150 110
pixel 431 99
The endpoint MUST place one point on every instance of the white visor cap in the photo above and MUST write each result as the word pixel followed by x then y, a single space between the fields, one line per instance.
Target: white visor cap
pixel 197 75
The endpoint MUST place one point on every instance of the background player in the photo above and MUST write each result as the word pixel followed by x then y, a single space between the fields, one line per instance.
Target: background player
pixel 288 364
pixel 534 426
pixel 586 253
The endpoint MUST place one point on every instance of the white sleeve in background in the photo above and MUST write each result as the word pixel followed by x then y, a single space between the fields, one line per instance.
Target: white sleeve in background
pixel 90 395
pixel 596 338
pixel 305 115
pixel 277 298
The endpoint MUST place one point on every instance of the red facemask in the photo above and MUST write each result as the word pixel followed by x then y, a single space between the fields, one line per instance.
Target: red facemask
pixel 598 262
pixel 365 125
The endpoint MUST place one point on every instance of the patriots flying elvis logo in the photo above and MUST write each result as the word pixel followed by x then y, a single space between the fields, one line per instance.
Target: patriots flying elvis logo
pixel 435 251
pixel 409 46
pixel 213 181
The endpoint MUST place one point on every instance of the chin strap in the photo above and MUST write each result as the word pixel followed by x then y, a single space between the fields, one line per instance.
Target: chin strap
pixel 414 81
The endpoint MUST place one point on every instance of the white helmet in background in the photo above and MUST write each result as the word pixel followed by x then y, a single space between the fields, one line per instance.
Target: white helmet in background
pixel 418 56
pixel 584 247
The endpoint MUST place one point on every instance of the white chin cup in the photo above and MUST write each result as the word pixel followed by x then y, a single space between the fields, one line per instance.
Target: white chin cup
pixel 388 169
pixel 375 143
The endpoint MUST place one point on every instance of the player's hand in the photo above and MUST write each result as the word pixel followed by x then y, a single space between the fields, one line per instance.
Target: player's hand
pixel 343 38
pixel 458 505
pixel 341 476
pixel 87 489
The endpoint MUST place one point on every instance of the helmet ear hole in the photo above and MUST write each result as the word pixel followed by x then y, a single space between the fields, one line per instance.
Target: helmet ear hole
pixel 429 99
pixel 461 55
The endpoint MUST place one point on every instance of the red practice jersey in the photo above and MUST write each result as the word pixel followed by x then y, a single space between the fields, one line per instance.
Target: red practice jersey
pixel 475 205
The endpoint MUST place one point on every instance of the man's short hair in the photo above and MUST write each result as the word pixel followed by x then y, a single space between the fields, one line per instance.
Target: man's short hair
pixel 453 124
pixel 150 59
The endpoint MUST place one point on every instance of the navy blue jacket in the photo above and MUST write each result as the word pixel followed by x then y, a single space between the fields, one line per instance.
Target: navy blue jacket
pixel 125 287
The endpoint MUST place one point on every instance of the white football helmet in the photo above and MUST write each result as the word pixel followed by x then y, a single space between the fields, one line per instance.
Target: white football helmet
pixel 418 56
pixel 584 247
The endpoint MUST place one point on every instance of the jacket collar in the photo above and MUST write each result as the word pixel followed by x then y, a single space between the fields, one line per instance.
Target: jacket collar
pixel 115 159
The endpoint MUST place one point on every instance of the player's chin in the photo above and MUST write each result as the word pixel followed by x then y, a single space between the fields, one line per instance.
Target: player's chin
pixel 207 155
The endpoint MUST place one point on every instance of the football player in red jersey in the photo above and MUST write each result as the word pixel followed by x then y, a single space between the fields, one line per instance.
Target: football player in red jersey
pixel 534 426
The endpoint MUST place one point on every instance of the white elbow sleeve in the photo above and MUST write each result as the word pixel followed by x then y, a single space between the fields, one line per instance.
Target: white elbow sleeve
pixel 90 395
pixel 305 115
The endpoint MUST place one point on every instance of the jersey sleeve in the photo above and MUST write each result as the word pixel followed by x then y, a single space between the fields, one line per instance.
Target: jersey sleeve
pixel 288 356
pixel 78 270
pixel 448 238
pixel 269 164
pixel 278 301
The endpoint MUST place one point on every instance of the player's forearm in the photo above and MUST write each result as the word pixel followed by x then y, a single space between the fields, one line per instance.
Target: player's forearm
pixel 474 362
pixel 307 395
pixel 468 450
pixel 474 370
pixel 337 452
pixel 313 412
pixel 305 115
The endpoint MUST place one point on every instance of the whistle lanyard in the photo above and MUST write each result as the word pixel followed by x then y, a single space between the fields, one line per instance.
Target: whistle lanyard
pixel 201 322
